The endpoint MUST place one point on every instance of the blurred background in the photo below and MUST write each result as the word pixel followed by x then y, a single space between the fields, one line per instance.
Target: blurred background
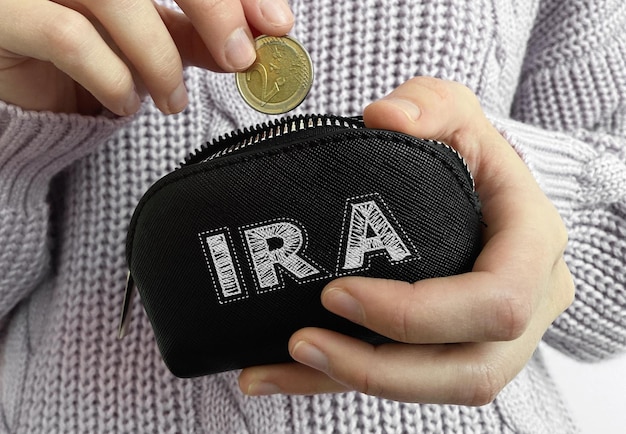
pixel 595 393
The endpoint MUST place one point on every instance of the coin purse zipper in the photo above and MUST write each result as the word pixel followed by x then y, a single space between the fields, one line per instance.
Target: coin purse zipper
pixel 277 132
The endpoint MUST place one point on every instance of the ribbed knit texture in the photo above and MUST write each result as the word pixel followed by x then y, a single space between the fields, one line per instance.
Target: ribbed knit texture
pixel 69 184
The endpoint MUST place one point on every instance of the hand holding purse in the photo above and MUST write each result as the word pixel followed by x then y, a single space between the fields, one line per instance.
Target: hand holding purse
pixel 232 250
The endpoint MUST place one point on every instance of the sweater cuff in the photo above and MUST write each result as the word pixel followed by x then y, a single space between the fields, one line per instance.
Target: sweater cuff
pixel 568 168
pixel 35 146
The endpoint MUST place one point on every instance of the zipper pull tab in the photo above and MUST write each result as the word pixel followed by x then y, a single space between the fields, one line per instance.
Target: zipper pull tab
pixel 129 296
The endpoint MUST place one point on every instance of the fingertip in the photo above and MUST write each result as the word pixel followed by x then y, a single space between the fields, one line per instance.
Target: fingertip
pixel 253 383
pixel 239 50
pixel 277 13
pixel 310 355
pixel 131 106
pixel 405 107
pixel 261 388
pixel 342 303
pixel 177 100
pixel 243 381
pixel 295 338
pixel 392 113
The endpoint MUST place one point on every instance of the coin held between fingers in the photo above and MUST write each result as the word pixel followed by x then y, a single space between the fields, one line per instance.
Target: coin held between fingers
pixel 280 78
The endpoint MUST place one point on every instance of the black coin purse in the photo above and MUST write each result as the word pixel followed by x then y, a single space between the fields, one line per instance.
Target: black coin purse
pixel 231 251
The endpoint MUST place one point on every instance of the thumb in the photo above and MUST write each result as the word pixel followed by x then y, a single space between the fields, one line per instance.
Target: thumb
pixel 443 110
pixel 430 107
pixel 436 109
pixel 448 111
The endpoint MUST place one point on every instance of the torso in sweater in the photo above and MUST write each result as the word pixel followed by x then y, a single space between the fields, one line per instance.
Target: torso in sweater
pixel 69 373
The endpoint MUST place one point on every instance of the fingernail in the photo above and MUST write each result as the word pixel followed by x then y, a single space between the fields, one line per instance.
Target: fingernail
pixel 260 388
pixel 310 355
pixel 411 110
pixel 132 104
pixel 240 52
pixel 178 99
pixel 276 12
pixel 340 302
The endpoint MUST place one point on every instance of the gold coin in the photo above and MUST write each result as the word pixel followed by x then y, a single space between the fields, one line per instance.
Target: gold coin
pixel 280 78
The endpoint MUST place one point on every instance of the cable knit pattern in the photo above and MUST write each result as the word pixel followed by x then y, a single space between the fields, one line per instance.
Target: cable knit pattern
pixel 556 65
pixel 33 148
pixel 577 84
pixel 573 76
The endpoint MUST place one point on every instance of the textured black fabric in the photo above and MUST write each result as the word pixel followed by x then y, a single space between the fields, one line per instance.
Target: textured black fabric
pixel 339 188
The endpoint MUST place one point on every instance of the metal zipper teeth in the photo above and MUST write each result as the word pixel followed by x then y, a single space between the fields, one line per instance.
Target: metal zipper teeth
pixel 288 126
pixel 459 156
pixel 263 132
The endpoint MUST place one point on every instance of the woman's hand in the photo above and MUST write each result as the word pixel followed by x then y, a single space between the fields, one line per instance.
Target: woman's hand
pixel 461 338
pixel 80 55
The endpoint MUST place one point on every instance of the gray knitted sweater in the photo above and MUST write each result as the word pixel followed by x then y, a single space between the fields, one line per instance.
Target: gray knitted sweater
pixel 552 76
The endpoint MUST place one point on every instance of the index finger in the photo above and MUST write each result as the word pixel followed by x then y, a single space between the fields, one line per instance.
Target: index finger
pixel 224 26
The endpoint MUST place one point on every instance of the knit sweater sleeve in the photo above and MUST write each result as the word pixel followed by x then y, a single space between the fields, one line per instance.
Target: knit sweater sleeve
pixel 34 147
pixel 572 91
